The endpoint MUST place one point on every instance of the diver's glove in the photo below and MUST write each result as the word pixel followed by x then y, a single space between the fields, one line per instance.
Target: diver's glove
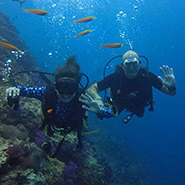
pixel 12 95
pixel 169 78
pixel 90 104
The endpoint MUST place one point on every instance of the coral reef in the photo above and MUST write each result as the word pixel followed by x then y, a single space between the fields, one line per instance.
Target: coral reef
pixel 3 155
pixel 12 132
pixel 16 153
pixel 22 161
pixel 70 171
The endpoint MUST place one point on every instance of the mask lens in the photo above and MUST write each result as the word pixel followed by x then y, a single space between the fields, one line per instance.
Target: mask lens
pixel 134 62
pixel 66 87
pixel 126 64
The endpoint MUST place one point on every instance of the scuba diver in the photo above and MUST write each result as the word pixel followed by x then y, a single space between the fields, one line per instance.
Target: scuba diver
pixel 130 88
pixel 61 108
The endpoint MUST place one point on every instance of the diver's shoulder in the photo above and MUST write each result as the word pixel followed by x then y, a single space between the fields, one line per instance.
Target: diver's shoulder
pixel 114 75
pixel 152 74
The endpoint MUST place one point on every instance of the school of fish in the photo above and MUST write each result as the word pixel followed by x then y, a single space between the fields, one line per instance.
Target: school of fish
pixel 43 13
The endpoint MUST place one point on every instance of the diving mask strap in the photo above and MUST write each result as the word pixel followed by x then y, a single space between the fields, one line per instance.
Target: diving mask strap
pixel 66 79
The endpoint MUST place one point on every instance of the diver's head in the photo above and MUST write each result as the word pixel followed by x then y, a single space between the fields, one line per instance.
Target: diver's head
pixel 131 64
pixel 66 88
pixel 67 79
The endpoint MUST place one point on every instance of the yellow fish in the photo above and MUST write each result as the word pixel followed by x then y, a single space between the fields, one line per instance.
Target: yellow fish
pixel 112 45
pixel 9 46
pixel 92 132
pixel 83 33
pixel 141 182
pixel 36 11
pixel 85 19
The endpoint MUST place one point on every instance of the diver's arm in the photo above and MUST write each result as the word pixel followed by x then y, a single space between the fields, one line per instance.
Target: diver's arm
pixel 33 92
pixel 170 91
pixel 93 92
pixel 104 84
pixel 92 100
pixel 94 103
pixel 168 81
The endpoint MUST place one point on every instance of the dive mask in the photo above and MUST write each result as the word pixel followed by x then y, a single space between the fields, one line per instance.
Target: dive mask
pixel 66 86
pixel 128 62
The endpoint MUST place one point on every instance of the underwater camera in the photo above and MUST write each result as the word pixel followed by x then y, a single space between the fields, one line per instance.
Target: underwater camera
pixel 13 101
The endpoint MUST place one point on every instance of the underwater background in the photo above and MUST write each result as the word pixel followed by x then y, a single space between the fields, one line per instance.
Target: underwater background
pixel 154 29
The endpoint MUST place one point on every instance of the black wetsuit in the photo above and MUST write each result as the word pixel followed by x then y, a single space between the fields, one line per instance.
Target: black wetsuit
pixel 131 94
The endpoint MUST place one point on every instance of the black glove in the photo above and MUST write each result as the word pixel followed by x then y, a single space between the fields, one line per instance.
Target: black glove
pixel 13 101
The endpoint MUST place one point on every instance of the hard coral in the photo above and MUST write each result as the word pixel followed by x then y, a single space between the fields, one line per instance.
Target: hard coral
pixel 3 156
pixel 65 182
pixel 12 132
pixel 33 160
pixel 67 152
pixel 70 171
pixel 39 138
pixel 23 156
pixel 17 152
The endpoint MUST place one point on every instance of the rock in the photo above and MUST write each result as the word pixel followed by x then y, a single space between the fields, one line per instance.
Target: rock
pixel 3 148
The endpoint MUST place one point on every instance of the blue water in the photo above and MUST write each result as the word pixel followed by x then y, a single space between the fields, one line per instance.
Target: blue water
pixel 156 29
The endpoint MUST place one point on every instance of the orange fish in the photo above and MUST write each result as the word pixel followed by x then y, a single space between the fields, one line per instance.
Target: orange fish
pixel 50 111
pixel 83 33
pixel 36 11
pixel 112 45
pixel 85 19
pixel 8 46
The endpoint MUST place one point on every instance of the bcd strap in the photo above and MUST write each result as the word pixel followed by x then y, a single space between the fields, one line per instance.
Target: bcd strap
pixel 48 108
pixel 54 154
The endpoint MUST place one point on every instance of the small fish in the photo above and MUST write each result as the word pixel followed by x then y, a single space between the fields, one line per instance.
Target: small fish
pixel 50 111
pixel 83 33
pixel 36 11
pixel 20 2
pixel 141 182
pixel 112 45
pixel 92 132
pixel 8 46
pixel 85 19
